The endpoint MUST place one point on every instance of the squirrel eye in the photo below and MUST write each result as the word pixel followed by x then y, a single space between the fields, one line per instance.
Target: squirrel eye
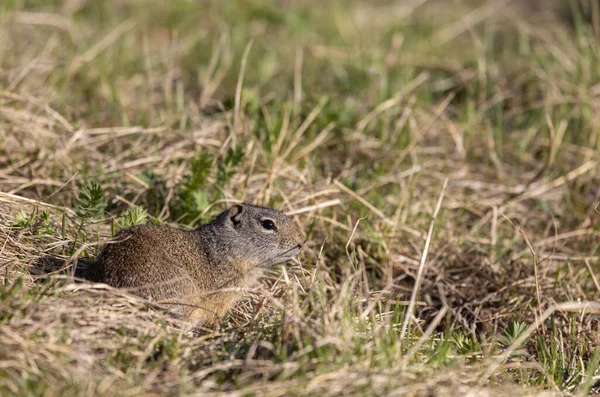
pixel 268 224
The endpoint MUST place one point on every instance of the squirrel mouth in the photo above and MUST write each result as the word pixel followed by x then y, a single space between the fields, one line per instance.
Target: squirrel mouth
pixel 287 255
pixel 293 252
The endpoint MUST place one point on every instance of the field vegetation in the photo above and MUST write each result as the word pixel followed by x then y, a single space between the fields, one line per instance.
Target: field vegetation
pixel 443 158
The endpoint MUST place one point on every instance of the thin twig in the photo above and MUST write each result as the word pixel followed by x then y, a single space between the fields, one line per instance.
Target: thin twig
pixel 102 45
pixel 594 279
pixel 238 90
pixel 413 298
pixel 538 293
pixel 374 209
pixel 351 237
pixel 310 208
pixel 10 198
pixel 432 326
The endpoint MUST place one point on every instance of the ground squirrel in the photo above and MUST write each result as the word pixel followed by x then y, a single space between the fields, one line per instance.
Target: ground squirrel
pixel 200 272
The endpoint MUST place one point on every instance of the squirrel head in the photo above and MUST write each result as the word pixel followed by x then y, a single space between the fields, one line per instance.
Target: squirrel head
pixel 261 236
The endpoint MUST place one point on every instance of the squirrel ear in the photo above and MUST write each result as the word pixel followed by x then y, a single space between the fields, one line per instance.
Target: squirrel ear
pixel 236 213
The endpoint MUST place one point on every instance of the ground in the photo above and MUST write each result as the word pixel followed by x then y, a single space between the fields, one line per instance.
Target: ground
pixel 442 157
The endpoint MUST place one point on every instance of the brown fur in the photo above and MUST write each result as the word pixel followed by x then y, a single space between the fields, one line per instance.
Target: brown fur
pixel 200 272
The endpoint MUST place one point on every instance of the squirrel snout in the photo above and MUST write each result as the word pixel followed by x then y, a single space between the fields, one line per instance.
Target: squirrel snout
pixel 300 237
pixel 301 241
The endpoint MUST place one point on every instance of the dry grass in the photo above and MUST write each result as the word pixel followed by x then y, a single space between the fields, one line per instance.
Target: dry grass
pixel 352 127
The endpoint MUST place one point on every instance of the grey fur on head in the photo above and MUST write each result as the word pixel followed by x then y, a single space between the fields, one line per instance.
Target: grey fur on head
pixel 260 235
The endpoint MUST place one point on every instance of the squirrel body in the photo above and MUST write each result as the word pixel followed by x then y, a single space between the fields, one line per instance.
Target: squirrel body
pixel 201 272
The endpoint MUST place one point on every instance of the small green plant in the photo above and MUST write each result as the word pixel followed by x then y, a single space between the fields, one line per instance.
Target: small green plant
pixel 196 178
pixel 40 224
pixel 91 202
pixel 44 224
pixel 135 215
pixel 464 345
pixel 512 333
pixel 190 192
pixel 227 167
pixel 157 191
pixel 193 193
pixel 591 370
pixel 22 219
pixel 440 353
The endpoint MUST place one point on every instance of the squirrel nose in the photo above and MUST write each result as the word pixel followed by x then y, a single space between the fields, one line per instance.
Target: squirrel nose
pixel 301 242
pixel 300 237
